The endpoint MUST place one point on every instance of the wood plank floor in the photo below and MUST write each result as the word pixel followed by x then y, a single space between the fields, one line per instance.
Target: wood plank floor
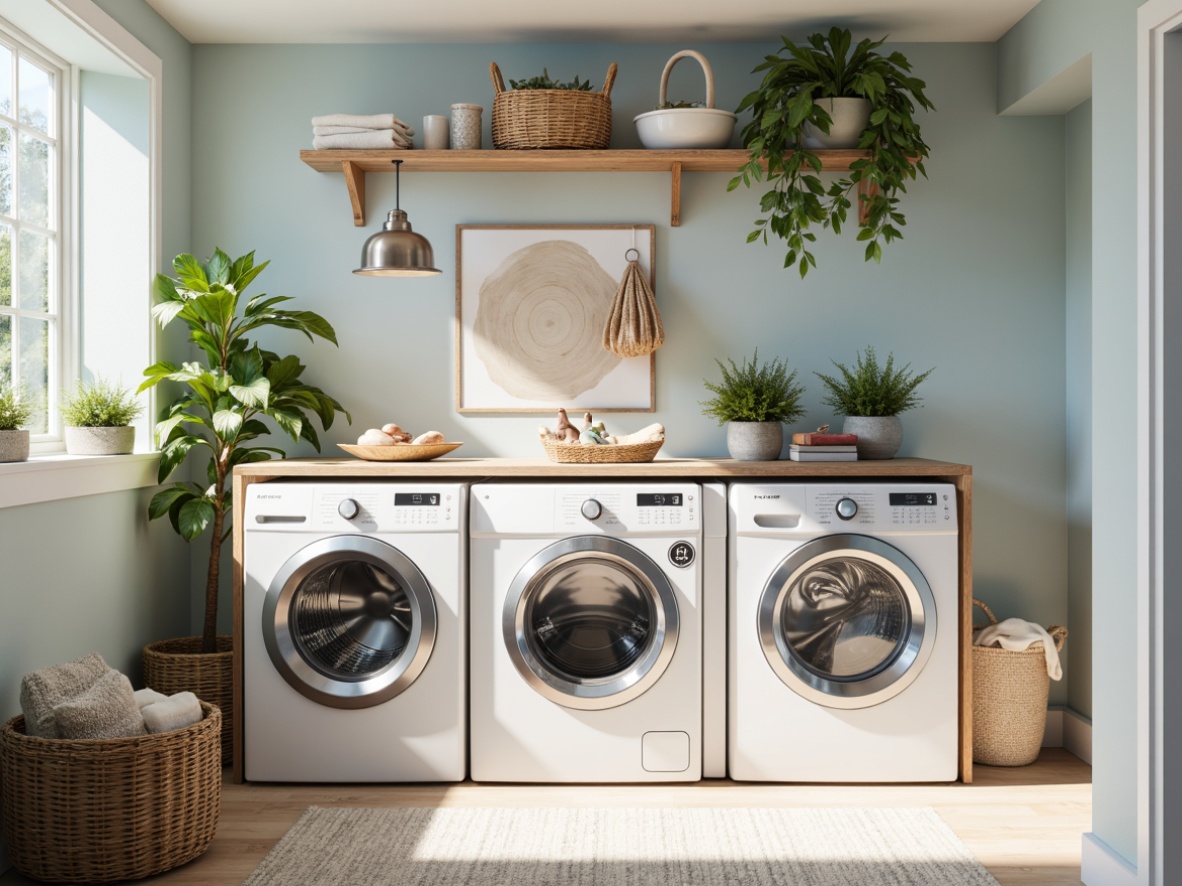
pixel 1023 824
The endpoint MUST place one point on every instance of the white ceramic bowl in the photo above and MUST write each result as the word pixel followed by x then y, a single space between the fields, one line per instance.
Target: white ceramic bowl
pixel 685 128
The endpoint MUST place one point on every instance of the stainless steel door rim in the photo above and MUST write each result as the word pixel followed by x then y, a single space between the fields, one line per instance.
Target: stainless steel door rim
pixel 373 672
pixel 643 595
pixel 888 671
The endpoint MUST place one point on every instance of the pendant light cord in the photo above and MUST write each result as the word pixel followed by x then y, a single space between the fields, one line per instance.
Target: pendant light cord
pixel 397 174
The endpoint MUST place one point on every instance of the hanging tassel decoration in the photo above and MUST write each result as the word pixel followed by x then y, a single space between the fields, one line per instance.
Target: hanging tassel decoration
pixel 634 325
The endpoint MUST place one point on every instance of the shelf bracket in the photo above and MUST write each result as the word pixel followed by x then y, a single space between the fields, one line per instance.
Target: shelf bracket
pixel 355 181
pixel 675 209
pixel 867 191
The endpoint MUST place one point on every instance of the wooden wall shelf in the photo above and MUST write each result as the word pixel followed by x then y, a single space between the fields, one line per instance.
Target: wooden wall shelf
pixel 355 164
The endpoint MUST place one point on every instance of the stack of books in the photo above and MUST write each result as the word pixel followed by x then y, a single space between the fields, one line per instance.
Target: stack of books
pixel 818 446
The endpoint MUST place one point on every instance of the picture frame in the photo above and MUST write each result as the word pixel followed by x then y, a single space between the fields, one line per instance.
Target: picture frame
pixel 531 305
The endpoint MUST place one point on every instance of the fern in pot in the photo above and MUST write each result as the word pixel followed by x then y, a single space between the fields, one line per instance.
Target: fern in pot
pixel 871 396
pixel 98 416
pixel 220 413
pixel 753 400
pixel 15 411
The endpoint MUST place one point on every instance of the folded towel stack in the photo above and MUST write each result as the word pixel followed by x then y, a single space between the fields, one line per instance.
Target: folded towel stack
pixel 173 712
pixel 360 131
pixel 43 690
pixel 105 710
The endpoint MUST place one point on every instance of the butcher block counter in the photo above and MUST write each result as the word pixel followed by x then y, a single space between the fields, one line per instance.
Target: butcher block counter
pixel 703 469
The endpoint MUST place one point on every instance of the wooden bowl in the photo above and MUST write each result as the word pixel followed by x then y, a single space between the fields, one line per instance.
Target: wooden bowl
pixel 400 451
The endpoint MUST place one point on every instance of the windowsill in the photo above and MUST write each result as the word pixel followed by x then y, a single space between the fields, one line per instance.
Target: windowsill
pixel 56 476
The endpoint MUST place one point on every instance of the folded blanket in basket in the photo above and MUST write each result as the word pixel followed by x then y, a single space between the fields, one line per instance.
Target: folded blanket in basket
pixel 363 121
pixel 1016 634
pixel 105 710
pixel 372 138
pixel 147 696
pixel 174 712
pixel 44 689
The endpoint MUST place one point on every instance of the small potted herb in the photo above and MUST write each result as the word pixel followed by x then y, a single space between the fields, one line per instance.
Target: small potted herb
pixel 871 396
pixel 15 411
pixel 752 400
pixel 98 417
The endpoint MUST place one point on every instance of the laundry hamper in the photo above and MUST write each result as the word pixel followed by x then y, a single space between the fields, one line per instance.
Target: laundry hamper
pixel 106 810
pixel 1010 699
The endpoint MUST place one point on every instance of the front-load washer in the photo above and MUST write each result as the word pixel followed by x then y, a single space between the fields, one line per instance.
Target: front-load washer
pixel 585 629
pixel 843 632
pixel 354 648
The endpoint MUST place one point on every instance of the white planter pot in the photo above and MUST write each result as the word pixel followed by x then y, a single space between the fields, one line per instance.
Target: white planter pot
pixel 754 440
pixel 686 128
pixel 850 116
pixel 100 441
pixel 879 436
pixel 14 445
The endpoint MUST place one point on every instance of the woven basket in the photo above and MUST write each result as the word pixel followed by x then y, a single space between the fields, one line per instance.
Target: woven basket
pixel 577 453
pixel 1010 699
pixel 105 810
pixel 178 665
pixel 551 118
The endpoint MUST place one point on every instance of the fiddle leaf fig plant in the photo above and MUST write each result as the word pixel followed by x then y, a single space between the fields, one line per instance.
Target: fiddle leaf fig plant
pixel 794 79
pixel 227 395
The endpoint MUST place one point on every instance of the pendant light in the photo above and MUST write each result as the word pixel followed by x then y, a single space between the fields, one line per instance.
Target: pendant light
pixel 396 250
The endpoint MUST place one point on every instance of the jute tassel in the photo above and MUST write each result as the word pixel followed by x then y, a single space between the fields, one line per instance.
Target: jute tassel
pixel 634 325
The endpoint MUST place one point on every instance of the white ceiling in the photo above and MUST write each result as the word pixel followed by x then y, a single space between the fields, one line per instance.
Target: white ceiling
pixel 589 21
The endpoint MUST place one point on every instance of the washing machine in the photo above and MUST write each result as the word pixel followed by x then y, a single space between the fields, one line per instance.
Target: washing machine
pixel 586 655
pixel 843 632
pixel 354 647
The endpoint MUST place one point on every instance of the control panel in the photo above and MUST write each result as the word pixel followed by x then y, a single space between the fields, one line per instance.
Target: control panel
pixel 631 509
pixel 382 509
pixel 864 508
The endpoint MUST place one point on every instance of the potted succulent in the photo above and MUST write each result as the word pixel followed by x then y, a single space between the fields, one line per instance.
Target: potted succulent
pixel 752 400
pixel 686 125
pixel 807 90
pixel 871 397
pixel 15 412
pixel 98 417
pixel 221 409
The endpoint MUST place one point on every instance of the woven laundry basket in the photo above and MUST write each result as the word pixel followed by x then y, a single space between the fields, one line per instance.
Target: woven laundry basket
pixel 551 118
pixel 179 665
pixel 1010 699
pixel 107 810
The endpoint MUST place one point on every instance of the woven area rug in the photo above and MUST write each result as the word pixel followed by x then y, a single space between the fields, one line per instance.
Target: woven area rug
pixel 619 847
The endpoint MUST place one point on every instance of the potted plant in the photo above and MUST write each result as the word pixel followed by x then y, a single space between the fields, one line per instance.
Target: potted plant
pixel 685 125
pixel 800 101
pixel 221 409
pixel 871 397
pixel 98 417
pixel 752 400
pixel 15 412
pixel 541 112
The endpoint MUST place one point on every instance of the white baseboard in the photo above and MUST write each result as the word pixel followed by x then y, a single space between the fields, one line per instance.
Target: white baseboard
pixel 1069 729
pixel 1101 865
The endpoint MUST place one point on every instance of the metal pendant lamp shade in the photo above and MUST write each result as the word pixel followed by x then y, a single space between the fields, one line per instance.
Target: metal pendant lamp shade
pixel 396 250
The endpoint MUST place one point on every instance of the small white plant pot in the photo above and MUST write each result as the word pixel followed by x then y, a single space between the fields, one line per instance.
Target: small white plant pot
pixel 879 436
pixel 754 440
pixel 686 128
pixel 850 117
pixel 100 441
pixel 14 445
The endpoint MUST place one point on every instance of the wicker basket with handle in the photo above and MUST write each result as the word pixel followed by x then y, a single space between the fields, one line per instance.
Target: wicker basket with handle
pixel 551 118
pixel 1010 691
pixel 107 810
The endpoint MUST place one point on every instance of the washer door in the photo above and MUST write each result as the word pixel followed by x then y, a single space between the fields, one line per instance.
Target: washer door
pixel 590 622
pixel 349 621
pixel 847 621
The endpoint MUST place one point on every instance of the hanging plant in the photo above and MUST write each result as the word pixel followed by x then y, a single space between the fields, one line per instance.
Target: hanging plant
pixel 790 100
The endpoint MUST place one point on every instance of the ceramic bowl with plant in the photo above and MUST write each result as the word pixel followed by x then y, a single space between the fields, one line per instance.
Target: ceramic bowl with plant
pixel 98 416
pixel 15 411
pixel 686 125
pixel 808 89
pixel 753 400
pixel 871 395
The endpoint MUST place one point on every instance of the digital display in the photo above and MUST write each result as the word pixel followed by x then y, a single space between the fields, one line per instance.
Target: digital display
pixel 658 499
pixel 416 499
pixel 913 499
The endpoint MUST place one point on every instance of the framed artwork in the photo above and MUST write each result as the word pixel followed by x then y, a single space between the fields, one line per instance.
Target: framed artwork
pixel 531 305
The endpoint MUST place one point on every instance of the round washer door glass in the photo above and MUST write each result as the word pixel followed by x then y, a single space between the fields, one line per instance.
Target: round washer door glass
pixel 847 621
pixel 590 622
pixel 349 621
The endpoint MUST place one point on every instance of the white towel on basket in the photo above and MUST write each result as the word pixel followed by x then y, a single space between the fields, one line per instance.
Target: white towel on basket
pixel 364 121
pixel 373 138
pixel 1016 634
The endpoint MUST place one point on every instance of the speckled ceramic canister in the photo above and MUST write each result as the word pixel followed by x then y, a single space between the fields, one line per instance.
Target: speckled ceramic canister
pixel 754 440
pixel 466 127
pixel 100 441
pixel 14 445
pixel 879 436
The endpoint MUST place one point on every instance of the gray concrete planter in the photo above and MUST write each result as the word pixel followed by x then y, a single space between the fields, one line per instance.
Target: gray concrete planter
pixel 754 440
pixel 100 441
pixel 14 445
pixel 879 436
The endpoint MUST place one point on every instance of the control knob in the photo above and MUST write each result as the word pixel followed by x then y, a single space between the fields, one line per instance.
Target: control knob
pixel 591 509
pixel 847 508
pixel 348 508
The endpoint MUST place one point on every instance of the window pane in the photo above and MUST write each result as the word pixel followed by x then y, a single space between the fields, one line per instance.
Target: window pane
pixel 6 81
pixel 35 365
pixel 35 192
pixel 5 266
pixel 6 170
pixel 36 88
pixel 35 259
pixel 5 348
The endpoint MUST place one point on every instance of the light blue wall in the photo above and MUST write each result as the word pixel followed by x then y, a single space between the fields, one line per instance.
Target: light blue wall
pixel 1056 34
